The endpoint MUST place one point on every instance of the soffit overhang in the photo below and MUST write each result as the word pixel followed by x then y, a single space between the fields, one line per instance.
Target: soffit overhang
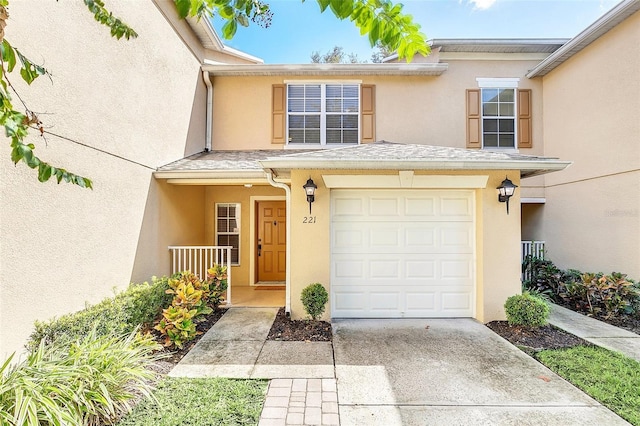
pixel 321 70
pixel 606 22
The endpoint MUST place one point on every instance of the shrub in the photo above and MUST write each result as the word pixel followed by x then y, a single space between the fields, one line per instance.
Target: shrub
pixel 602 295
pixel 192 298
pixel 527 310
pixel 314 298
pixel 139 304
pixel 90 381
pixel 546 278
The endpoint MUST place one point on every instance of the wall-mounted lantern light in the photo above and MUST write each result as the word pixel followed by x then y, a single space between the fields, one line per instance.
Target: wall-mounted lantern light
pixel 310 189
pixel 505 191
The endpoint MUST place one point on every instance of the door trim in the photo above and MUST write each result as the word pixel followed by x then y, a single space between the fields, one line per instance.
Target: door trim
pixel 253 217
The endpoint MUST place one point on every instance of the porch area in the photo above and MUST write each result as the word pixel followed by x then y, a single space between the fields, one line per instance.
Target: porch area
pixel 198 259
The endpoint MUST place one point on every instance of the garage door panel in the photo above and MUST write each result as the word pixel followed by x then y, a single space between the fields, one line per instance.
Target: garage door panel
pixel 384 301
pixel 402 253
pixel 384 206
pixel 456 302
pixel 460 206
pixel 420 207
pixel 348 206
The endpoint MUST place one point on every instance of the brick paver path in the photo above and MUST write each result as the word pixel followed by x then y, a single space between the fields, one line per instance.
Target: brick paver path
pixel 301 402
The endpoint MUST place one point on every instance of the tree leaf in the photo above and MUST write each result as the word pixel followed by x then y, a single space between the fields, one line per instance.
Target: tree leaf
pixel 229 29
pixel 183 7
pixel 8 55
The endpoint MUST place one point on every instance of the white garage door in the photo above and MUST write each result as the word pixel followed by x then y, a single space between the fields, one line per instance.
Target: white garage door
pixel 402 253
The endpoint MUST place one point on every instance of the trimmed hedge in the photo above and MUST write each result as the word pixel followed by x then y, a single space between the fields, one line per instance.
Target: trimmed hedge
pixel 527 310
pixel 119 315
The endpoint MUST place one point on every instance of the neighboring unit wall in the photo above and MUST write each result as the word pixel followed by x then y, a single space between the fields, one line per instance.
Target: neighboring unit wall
pixel 591 116
pixel 137 104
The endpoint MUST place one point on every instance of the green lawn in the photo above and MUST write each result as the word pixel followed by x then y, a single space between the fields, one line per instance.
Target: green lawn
pixel 201 402
pixel 609 377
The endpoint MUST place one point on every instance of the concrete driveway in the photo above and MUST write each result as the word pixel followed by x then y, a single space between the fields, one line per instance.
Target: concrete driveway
pixel 448 372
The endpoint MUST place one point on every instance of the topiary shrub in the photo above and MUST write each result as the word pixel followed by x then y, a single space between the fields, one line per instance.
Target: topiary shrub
pixel 314 298
pixel 527 310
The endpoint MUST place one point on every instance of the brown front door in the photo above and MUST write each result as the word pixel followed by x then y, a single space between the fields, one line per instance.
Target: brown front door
pixel 272 240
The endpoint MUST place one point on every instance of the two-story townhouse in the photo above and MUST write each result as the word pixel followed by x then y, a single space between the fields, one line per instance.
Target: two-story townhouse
pixel 405 159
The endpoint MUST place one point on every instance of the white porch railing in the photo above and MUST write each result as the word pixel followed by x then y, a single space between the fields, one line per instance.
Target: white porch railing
pixel 530 248
pixel 198 259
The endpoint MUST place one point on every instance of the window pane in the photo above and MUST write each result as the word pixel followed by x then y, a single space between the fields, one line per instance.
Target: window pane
pixel 223 225
pixel 350 105
pixel 351 91
pixel 491 140
pixel 350 136
pixel 312 136
pixel 296 121
pixel 490 110
pixel 506 95
pixel 296 136
pixel 296 91
pixel 334 90
pixel 312 121
pixel 350 121
pixel 490 125
pixel 334 105
pixel 334 136
pixel 506 125
pixel 506 110
pixel 223 210
pixel 296 105
pixel 334 121
pixel 506 141
pixel 489 95
pixel 312 105
pixel 312 90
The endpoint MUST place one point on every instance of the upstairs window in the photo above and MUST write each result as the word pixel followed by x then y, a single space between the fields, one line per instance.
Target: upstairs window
pixel 498 115
pixel 323 114
pixel 498 118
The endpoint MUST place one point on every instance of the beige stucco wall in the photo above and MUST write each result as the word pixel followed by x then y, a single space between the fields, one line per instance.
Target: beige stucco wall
pixel 497 242
pixel 409 109
pixel 139 104
pixel 591 116
pixel 241 274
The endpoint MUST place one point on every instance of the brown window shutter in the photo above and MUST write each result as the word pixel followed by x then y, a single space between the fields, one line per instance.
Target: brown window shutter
pixel 278 119
pixel 368 113
pixel 524 119
pixel 473 119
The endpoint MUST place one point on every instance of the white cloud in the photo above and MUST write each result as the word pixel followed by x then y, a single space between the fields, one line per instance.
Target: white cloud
pixel 482 4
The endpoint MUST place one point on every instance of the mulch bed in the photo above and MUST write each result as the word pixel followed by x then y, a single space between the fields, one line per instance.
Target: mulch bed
pixel 629 323
pixel 536 339
pixel 286 329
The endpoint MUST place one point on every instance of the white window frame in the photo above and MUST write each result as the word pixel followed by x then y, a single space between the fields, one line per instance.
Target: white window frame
pixel 323 113
pixel 236 232
pixel 500 83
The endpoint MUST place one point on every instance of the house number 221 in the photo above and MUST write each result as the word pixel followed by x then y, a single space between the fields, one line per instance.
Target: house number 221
pixel 309 219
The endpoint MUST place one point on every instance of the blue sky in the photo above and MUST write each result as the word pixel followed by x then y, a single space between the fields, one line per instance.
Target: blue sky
pixel 298 29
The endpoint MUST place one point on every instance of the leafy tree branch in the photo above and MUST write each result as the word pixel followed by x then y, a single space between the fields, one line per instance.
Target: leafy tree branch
pixel 384 22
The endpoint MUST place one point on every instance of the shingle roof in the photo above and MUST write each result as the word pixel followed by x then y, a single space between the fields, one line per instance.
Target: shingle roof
pixel 374 156
pixel 226 160
pixel 391 151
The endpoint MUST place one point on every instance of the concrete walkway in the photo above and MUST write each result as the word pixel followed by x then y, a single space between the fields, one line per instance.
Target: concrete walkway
pixel 391 372
pixel 596 332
